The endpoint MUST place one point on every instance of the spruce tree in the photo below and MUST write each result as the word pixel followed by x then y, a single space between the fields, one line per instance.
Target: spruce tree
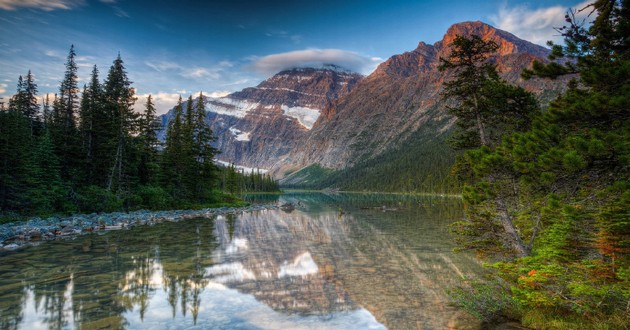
pixel 149 165
pixel 15 145
pixel 69 93
pixel 63 127
pixel 93 125
pixel 205 152
pixel 172 159
pixel 118 102
pixel 485 106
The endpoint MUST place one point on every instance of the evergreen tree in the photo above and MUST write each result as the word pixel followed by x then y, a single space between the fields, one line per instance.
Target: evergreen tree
pixel 30 93
pixel 17 102
pixel 69 93
pixel 172 159
pixel 46 189
pixel 63 127
pixel 46 111
pixel 15 145
pixel 149 164
pixel 118 101
pixel 93 126
pixel 570 177
pixel 486 106
pixel 204 151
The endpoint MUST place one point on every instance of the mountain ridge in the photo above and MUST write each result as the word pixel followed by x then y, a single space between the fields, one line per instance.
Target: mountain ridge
pixel 338 120
pixel 402 97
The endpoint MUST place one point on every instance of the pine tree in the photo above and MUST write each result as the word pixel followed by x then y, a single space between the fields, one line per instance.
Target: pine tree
pixel 149 164
pixel 172 159
pixel 93 127
pixel 118 102
pixel 473 73
pixel 204 151
pixel 15 145
pixel 570 176
pixel 46 189
pixel 69 93
pixel 486 106
pixel 63 127
pixel 46 111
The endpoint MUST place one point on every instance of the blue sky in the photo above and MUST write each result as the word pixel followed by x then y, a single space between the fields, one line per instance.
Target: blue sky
pixel 182 47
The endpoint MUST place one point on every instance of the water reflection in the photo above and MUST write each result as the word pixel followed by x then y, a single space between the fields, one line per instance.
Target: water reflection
pixel 334 261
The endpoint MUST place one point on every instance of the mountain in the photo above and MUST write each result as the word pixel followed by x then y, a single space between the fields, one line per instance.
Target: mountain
pixel 394 120
pixel 258 126
pixel 328 127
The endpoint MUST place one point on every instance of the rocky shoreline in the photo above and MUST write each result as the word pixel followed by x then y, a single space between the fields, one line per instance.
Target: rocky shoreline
pixel 33 231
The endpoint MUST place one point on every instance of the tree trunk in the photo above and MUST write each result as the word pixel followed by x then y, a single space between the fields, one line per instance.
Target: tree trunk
pixel 480 128
pixel 510 230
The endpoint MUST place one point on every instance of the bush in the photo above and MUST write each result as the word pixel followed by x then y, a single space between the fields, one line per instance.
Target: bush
pixel 96 199
pixel 153 198
pixel 490 302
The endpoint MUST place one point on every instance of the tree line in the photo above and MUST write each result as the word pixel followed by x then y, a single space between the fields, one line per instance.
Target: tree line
pixel 88 150
pixel 547 194
pixel 235 181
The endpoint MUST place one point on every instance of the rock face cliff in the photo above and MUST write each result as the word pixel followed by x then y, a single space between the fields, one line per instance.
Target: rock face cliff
pixel 401 99
pixel 258 126
pixel 305 124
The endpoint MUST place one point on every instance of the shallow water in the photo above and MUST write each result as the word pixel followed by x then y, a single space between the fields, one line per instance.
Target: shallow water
pixel 342 261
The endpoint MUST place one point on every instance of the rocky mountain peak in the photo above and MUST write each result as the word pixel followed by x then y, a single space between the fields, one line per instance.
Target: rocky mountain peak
pixel 305 87
pixel 508 43
pixel 426 57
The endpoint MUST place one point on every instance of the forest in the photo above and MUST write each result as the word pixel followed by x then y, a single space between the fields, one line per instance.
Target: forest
pixel 91 151
pixel 547 193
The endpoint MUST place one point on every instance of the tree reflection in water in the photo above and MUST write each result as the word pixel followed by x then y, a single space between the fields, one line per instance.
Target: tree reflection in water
pixel 312 267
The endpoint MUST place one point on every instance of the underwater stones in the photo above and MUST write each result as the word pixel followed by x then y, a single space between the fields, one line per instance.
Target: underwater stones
pixel 36 229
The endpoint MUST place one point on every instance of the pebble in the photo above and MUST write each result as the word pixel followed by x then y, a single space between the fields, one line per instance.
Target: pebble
pixel 15 235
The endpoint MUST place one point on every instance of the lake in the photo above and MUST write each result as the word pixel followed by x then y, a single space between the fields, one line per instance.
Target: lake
pixel 327 261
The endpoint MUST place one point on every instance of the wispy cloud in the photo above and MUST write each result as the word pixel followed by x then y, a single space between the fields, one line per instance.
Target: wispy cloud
pixel 194 72
pixel 119 12
pixel 47 5
pixel 198 72
pixel 3 88
pixel 272 64
pixel 535 25
pixel 295 38
pixel 162 66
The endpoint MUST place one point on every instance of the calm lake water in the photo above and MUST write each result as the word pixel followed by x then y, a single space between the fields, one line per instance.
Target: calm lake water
pixel 342 261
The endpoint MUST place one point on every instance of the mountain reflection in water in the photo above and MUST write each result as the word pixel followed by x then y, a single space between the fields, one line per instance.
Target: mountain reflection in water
pixel 383 261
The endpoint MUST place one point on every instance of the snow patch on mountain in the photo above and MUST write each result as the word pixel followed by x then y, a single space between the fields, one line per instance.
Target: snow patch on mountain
pixel 289 90
pixel 239 135
pixel 243 168
pixel 306 116
pixel 230 107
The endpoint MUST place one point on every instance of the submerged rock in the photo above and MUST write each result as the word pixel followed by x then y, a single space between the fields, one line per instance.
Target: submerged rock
pixel 17 234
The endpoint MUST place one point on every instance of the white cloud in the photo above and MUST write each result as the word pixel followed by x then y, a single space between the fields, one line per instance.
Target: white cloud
pixel 47 5
pixel 3 88
pixel 163 66
pixel 535 25
pixel 272 64
pixel 162 101
pixel 166 101
pixel 218 94
pixel 199 72
pixel 189 72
